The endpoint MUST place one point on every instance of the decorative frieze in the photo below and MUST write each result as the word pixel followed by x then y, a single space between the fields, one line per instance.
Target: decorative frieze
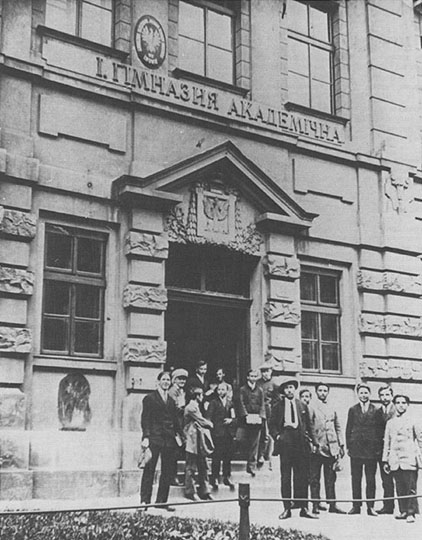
pixel 140 296
pixel 16 281
pixel 283 360
pixel 389 282
pixel 282 313
pixel 16 223
pixel 15 340
pixel 144 350
pixel 147 245
pixel 397 325
pixel 281 266
pixel 380 368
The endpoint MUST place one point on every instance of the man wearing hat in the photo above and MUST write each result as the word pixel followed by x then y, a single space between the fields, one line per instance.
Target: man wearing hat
pixel 290 429
pixel 177 393
pixel 364 439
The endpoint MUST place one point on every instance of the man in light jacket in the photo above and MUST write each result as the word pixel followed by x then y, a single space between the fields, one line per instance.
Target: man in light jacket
pixel 385 394
pixel 325 427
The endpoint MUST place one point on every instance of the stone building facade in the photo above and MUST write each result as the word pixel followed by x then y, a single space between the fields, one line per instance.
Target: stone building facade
pixel 236 181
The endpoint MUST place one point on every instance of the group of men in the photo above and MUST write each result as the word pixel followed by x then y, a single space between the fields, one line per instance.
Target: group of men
pixel 266 419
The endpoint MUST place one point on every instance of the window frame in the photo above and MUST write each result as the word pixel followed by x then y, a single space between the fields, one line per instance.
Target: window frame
pixel 312 42
pixel 323 308
pixel 74 277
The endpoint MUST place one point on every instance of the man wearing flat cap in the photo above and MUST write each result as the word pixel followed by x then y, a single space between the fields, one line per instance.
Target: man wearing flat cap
pixel 177 392
pixel 290 429
pixel 364 439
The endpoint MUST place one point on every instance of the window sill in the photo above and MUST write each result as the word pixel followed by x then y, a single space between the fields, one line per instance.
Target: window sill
pixel 81 42
pixel 206 81
pixel 290 106
pixel 83 362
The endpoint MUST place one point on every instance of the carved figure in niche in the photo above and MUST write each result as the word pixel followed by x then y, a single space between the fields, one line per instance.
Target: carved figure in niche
pixel 73 402
pixel 397 189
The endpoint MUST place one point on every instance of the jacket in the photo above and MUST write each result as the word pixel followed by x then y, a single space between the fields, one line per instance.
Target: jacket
pixel 217 413
pixel 325 428
pixel 193 419
pixel 402 443
pixel 159 420
pixel 251 401
pixel 269 389
pixel 364 432
pixel 278 431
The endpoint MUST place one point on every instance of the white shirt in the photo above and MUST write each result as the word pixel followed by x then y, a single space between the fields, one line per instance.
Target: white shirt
pixel 163 394
pixel 364 407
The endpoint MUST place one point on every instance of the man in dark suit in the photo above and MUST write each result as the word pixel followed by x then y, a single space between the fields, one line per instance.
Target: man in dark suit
pixel 160 426
pixel 221 414
pixel 385 394
pixel 364 435
pixel 199 380
pixel 290 429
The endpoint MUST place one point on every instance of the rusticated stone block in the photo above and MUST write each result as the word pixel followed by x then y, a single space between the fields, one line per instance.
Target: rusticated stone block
pixel 12 408
pixel 16 223
pixel 16 281
pixel 144 350
pixel 380 368
pixel 14 449
pixel 282 313
pixel 140 296
pixel 15 485
pixel 129 483
pixel 147 245
pixel 75 484
pixel 15 340
pixel 281 266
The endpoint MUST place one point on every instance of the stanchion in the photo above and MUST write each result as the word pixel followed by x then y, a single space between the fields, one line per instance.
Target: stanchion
pixel 244 502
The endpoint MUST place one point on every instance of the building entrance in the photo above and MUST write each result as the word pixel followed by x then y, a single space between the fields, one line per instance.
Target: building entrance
pixel 208 312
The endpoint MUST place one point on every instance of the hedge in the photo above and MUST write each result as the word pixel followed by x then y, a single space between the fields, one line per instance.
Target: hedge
pixel 107 525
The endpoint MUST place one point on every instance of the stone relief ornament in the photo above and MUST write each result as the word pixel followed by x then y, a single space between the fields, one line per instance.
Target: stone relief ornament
pixel 152 245
pixel 73 402
pixel 15 340
pixel 389 281
pixel 283 360
pixel 140 296
pixel 398 190
pixel 144 350
pixel 16 223
pixel 380 368
pixel 397 325
pixel 282 312
pixel 16 281
pixel 214 218
pixel 281 266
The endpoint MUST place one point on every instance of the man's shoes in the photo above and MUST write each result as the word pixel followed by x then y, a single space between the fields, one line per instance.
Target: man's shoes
pixel 410 519
pixel 167 507
pixel 371 512
pixel 385 510
pixel 285 515
pixel 251 472
pixel 335 510
pixel 354 511
pixel 193 497
pixel 207 497
pixel 260 462
pixel 315 509
pixel 226 482
pixel 176 482
pixel 321 507
pixel 402 515
pixel 213 483
pixel 306 514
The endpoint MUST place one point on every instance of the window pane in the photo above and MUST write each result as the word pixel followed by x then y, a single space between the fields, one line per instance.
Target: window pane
pixel 220 65
pixel 319 24
pixel 308 287
pixel 299 89
pixel 309 325
pixel 88 301
pixel 59 251
pixel 89 255
pixel 321 96
pixel 96 24
pixel 191 21
pixel 219 30
pixel 191 56
pixel 320 65
pixel 298 57
pixel 298 17
pixel 309 355
pixel 61 15
pixel 330 357
pixel 55 334
pixel 329 327
pixel 87 337
pixel 328 289
pixel 56 297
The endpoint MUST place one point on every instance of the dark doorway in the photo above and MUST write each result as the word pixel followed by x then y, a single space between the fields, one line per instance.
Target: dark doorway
pixel 208 311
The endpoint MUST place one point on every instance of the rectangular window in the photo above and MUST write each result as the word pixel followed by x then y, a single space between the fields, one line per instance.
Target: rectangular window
pixel 88 19
pixel 311 53
pixel 73 298
pixel 206 39
pixel 320 320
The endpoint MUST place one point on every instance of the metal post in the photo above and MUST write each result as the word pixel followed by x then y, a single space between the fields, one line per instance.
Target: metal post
pixel 244 502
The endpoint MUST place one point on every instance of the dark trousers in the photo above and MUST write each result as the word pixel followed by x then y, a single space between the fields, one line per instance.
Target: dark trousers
pixel 294 462
pixel 406 485
pixel 388 488
pixel 252 434
pixel 357 467
pixel 166 453
pixel 223 453
pixel 265 443
pixel 196 463
pixel 326 463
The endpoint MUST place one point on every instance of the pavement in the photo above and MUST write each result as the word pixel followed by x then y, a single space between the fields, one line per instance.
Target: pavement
pixel 266 485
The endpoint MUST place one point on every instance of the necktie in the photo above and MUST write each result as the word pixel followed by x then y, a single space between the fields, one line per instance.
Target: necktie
pixel 293 415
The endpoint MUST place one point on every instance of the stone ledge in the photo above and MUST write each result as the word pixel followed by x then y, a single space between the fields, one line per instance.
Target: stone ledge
pixel 15 340
pixel 16 281
pixel 74 484
pixel 17 166
pixel 16 485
